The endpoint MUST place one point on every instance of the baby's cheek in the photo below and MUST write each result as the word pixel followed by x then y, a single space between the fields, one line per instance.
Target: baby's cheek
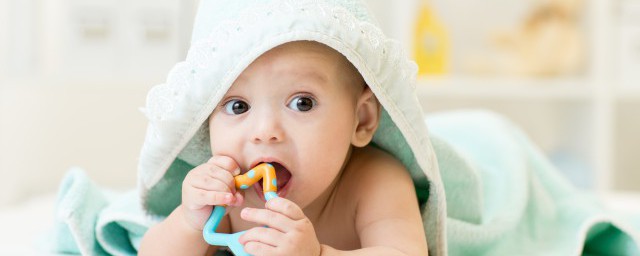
pixel 326 172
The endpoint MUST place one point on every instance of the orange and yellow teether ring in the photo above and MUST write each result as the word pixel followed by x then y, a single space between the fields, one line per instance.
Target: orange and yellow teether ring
pixel 264 171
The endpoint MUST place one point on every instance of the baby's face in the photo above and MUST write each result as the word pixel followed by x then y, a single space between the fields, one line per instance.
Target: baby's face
pixel 295 106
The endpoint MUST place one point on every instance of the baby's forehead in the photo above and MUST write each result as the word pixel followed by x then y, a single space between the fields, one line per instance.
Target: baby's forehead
pixel 307 46
pixel 305 59
pixel 306 51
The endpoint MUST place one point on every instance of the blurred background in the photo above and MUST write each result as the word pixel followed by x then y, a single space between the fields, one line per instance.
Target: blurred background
pixel 73 74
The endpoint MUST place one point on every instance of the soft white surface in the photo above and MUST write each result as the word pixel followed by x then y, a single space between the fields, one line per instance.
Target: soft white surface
pixel 21 224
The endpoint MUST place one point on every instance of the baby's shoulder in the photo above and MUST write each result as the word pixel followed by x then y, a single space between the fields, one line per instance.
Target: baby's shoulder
pixel 370 168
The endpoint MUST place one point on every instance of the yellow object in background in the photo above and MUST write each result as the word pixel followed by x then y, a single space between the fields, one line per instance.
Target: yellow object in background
pixel 430 43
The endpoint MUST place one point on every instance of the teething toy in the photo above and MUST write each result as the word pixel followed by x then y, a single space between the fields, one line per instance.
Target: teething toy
pixel 264 171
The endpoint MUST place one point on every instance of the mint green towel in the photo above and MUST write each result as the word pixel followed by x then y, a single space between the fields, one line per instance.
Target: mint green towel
pixel 504 197
pixel 94 221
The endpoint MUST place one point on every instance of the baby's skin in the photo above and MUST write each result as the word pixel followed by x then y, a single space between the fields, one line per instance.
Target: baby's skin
pixel 306 110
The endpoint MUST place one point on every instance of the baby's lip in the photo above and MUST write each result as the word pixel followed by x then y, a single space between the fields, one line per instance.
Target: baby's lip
pixel 266 160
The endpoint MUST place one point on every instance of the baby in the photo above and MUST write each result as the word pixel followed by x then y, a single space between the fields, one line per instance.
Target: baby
pixel 304 108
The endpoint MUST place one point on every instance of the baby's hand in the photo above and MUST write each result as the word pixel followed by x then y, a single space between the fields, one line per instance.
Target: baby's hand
pixel 288 231
pixel 208 185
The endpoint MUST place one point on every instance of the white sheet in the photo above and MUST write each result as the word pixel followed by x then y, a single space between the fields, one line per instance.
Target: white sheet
pixel 21 225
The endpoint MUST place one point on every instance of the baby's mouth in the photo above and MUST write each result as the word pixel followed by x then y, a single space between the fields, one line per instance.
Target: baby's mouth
pixel 282 176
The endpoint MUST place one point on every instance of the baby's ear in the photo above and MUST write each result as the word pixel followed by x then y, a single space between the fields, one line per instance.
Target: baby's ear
pixel 368 117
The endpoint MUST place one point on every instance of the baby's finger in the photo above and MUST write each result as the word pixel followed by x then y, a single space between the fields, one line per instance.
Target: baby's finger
pixel 267 217
pixel 209 182
pixel 239 199
pixel 224 176
pixel 226 163
pixel 257 248
pixel 201 197
pixel 264 235
pixel 285 207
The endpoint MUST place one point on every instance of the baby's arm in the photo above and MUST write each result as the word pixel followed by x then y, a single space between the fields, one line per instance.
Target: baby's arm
pixel 388 218
pixel 205 186
pixel 174 236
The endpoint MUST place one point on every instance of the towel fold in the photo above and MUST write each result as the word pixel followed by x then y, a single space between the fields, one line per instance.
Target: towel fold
pixel 94 221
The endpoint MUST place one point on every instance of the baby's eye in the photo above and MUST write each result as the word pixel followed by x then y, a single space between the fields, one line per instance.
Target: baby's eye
pixel 302 103
pixel 236 107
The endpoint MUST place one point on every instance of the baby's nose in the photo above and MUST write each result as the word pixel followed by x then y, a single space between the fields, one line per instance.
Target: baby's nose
pixel 267 130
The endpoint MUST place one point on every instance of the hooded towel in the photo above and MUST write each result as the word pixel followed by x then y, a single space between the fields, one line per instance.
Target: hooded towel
pixel 230 35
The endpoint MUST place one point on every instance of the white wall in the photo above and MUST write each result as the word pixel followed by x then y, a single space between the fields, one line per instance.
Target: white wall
pixel 47 128
pixel 20 29
pixel 4 33
pixel 72 77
